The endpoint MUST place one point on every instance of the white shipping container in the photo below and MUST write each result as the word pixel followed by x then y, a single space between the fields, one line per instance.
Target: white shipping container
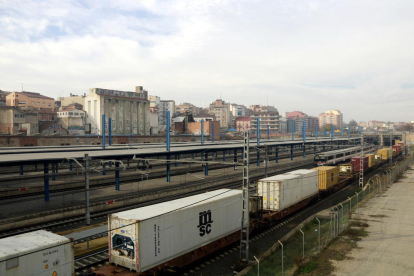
pixel 39 253
pixel 279 191
pixel 310 182
pixel 143 238
pixel 283 190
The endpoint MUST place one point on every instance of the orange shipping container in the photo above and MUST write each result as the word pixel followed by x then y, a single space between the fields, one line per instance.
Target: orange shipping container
pixel 328 177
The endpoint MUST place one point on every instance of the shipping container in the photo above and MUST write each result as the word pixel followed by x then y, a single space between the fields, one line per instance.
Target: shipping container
pixel 143 238
pixel 39 253
pixel 284 190
pixel 371 160
pixel 346 169
pixel 328 177
pixel 396 149
pixel 385 153
pixel 356 162
pixel 309 181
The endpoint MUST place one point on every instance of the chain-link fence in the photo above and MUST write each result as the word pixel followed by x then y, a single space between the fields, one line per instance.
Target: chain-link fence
pixel 310 237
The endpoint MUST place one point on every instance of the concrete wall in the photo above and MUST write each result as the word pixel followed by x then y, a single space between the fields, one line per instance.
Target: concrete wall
pixel 24 141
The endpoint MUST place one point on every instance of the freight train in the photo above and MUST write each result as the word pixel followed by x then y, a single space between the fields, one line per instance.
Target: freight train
pixel 154 238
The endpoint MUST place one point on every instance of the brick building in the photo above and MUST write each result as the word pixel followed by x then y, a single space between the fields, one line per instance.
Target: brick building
pixel 32 99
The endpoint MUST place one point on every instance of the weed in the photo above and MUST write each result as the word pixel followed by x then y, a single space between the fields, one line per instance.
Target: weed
pixel 309 267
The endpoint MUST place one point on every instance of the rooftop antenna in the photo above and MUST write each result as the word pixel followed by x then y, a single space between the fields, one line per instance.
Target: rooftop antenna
pixel 267 98
pixel 22 87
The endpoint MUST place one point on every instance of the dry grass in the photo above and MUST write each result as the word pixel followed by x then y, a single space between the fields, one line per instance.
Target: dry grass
pixel 337 250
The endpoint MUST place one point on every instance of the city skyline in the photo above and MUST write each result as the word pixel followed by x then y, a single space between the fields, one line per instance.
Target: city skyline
pixel 301 55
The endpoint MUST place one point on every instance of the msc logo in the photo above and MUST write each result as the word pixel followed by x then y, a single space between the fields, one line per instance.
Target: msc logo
pixel 204 223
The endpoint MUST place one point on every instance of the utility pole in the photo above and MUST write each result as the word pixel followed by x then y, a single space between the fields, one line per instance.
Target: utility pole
pixel 266 161
pixel 390 163
pixel 361 163
pixel 88 217
pixel 244 239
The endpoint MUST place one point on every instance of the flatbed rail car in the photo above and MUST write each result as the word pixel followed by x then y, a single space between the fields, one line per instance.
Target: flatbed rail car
pixel 342 155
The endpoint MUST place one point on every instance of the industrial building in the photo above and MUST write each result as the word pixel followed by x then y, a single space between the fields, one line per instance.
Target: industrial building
pixel 129 111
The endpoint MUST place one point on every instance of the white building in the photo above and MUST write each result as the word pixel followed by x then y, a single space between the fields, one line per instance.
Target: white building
pixel 238 110
pixel 73 120
pixel 166 105
pixel 129 111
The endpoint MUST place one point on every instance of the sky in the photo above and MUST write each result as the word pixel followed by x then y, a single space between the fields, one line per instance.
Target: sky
pixel 355 56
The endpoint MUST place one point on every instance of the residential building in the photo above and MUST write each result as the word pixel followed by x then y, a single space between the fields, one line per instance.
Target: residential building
pixel 129 111
pixel 334 117
pixel 155 107
pixel 73 120
pixel 72 99
pixel 266 118
pixel 238 110
pixel 283 127
pixel 166 105
pixel 187 108
pixel 3 95
pixel 14 120
pixel 204 116
pixel 242 123
pixel 299 118
pixel 24 99
pixel 221 110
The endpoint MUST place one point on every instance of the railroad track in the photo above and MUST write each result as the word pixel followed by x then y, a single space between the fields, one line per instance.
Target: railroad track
pixel 109 181
pixel 102 216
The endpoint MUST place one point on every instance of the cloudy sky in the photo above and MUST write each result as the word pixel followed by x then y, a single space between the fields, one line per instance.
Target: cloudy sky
pixel 355 56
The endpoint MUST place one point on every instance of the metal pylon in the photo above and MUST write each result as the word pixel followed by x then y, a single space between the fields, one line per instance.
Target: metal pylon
pixel 244 239
pixel 361 163
pixel 390 160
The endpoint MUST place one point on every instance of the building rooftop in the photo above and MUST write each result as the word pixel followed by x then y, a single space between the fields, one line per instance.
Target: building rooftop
pixel 34 95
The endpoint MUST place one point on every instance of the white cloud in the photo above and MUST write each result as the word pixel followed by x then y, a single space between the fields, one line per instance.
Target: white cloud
pixel 300 55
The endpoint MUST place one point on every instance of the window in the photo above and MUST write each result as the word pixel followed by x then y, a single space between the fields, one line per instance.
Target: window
pixel 49 104
pixel 70 113
pixel 16 124
pixel 77 114
pixel 17 95
pixel 38 103
pixel 32 102
pixel 43 103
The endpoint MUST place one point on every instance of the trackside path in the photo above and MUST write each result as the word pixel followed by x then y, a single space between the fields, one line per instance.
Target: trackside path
pixel 389 247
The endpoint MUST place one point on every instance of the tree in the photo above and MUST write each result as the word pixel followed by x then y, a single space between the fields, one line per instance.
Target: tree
pixel 328 127
pixel 353 123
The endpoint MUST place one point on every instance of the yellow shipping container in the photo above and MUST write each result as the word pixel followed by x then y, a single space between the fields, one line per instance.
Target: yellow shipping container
pixel 371 160
pixel 328 177
pixel 385 153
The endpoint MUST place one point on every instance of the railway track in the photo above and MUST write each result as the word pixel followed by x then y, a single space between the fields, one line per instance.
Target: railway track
pixel 85 263
pixel 232 182
pixel 109 181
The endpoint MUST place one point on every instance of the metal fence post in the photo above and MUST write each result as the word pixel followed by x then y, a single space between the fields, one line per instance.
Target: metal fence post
pixel 342 219
pixel 303 243
pixel 319 230
pixel 357 204
pixel 283 270
pixel 350 204
pixel 258 266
